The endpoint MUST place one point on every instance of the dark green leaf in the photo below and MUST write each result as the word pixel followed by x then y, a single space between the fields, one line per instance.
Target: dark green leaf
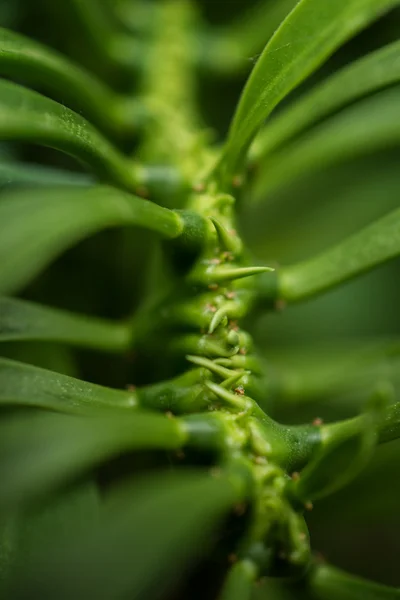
pixel 25 385
pixel 21 320
pixel 373 245
pixel 369 126
pixel 30 62
pixel 365 76
pixel 36 226
pixel 327 583
pixel 147 535
pixel 309 35
pixel 41 451
pixel 29 117
pixel 14 173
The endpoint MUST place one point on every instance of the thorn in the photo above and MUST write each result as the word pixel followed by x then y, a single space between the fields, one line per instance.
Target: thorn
pixel 243 351
pixel 232 558
pixel 230 295
pixel 309 506
pixel 226 239
pixel 317 422
pixel 199 187
pixel 223 394
pixel 210 308
pixel 216 472
pixel 220 274
pixel 239 390
pixel 212 366
pixel 237 181
pixel 224 362
pixel 218 318
pixel 229 383
pixel 234 325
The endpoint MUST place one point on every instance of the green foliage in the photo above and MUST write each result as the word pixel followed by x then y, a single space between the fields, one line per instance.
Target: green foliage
pixel 122 259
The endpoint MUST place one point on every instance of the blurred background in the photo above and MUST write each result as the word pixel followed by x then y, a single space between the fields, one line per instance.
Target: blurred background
pixel 358 528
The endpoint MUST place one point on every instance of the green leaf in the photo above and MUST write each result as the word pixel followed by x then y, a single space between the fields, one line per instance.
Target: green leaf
pixel 369 126
pixel 37 226
pixel 148 535
pixel 240 581
pixel 339 460
pixel 21 320
pixel 375 244
pixel 26 385
pixel 390 427
pixel 30 117
pixel 308 36
pixel 327 583
pixel 14 173
pixel 41 451
pixel 373 72
pixel 30 62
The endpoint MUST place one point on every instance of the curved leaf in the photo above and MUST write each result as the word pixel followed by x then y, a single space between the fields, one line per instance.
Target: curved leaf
pixel 21 320
pixel 146 537
pixel 30 117
pixel 375 71
pixel 41 451
pixel 56 392
pixel 14 173
pixel 240 581
pixel 308 36
pixel 369 126
pixel 32 63
pixel 375 244
pixel 390 426
pixel 328 583
pixel 36 226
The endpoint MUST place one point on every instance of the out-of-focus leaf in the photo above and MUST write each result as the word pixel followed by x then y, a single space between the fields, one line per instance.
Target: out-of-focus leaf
pixel 240 41
pixel 147 535
pixel 240 581
pixel 307 37
pixel 26 385
pixel 14 173
pixel 328 583
pixel 375 71
pixel 41 451
pixel 30 62
pixel 37 226
pixel 369 126
pixel 30 117
pixel 373 245
pixel 22 320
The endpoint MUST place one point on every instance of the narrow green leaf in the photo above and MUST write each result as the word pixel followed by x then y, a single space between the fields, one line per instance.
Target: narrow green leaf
pixel 373 245
pixel 30 62
pixel 41 451
pixel 21 320
pixel 328 583
pixel 308 36
pixel 240 581
pixel 375 71
pixel 26 385
pixel 30 117
pixel 37 226
pixel 148 535
pixel 369 126
pixel 345 451
pixel 14 173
